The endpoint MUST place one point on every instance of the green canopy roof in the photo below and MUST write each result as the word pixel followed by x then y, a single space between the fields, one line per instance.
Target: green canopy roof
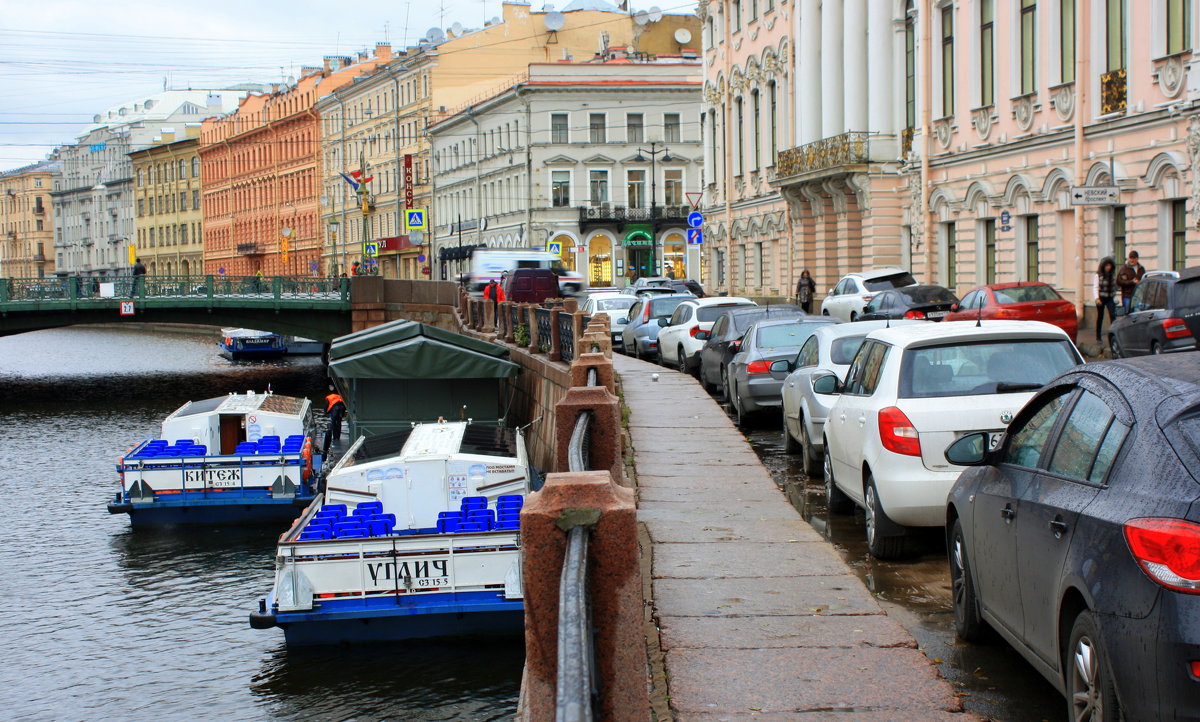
pixel 411 350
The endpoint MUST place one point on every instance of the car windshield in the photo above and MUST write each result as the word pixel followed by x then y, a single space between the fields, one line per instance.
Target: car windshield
pixel 704 314
pixel 661 307
pixel 842 350
pixel 987 367
pixel 615 304
pixel 1024 294
pixel 791 334
pixel 742 321
pixel 896 280
pixel 928 294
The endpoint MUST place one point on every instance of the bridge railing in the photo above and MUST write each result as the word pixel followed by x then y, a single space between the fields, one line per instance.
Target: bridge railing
pixel 85 288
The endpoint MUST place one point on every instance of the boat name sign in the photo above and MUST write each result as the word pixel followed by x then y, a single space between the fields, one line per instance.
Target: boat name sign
pixel 214 477
pixel 430 573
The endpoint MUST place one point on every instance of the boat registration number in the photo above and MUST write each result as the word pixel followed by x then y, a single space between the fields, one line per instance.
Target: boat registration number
pixel 432 582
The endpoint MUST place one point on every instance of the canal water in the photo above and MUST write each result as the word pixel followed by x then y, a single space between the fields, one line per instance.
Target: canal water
pixel 101 622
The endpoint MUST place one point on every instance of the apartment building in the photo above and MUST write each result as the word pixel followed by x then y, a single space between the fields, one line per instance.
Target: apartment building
pixel 26 221
pixel 168 220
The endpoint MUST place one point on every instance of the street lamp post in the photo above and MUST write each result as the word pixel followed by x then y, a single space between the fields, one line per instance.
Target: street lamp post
pixel 333 237
pixel 653 153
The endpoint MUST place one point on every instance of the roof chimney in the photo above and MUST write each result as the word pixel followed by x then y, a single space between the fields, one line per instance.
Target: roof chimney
pixel 383 51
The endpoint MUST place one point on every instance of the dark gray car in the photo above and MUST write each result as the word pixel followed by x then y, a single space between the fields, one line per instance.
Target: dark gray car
pixel 1164 316
pixel 1076 537
pixel 725 338
pixel 753 387
pixel 640 336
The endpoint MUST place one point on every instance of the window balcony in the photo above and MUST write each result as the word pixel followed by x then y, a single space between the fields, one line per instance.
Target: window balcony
pixel 606 213
pixel 836 151
pixel 1113 90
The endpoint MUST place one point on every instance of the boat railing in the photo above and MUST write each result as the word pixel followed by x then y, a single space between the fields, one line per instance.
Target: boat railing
pixel 241 462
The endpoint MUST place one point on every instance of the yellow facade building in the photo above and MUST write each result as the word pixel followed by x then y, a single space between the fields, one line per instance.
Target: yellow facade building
pixel 168 218
pixel 27 221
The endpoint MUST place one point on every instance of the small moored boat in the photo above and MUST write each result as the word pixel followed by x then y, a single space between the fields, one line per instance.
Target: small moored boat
pixel 416 536
pixel 239 458
pixel 246 344
pixel 300 346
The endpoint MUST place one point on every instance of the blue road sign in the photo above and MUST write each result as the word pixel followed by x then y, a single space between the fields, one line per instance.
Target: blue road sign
pixel 1005 217
pixel 695 236
pixel 695 219
pixel 370 249
pixel 554 247
pixel 414 219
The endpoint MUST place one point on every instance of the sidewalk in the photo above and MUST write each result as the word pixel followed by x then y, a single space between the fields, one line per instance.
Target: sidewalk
pixel 758 615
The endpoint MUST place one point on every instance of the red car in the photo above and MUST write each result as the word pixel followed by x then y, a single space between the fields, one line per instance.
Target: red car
pixel 1022 301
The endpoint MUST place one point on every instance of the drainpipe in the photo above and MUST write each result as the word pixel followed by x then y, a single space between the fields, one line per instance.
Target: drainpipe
pixel 1082 69
pixel 478 195
pixel 399 172
pixel 727 153
pixel 342 158
pixel 528 165
pixel 923 213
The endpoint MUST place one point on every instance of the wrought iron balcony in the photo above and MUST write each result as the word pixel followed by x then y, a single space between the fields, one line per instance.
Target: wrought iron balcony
pixel 833 152
pixel 606 213
pixel 1112 91
pixel 39 209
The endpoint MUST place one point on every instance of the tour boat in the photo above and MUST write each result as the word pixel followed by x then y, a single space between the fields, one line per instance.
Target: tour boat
pixel 245 457
pixel 246 344
pixel 415 536
pixel 299 346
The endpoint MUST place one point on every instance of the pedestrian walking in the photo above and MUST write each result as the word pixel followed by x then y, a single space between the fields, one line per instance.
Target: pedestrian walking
pixel 1104 289
pixel 335 407
pixel 139 270
pixel 1128 277
pixel 494 292
pixel 806 288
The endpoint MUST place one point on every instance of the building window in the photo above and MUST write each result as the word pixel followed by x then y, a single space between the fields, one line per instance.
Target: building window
pixel 1178 235
pixel 1031 248
pixel 735 10
pixel 596 128
pixel 634 128
pixel 987 55
pixel 560 188
pixel 1118 231
pixel 598 187
pixel 151 206
pixel 559 132
pixel 1028 46
pixel 671 128
pixel 1066 40
pixel 673 187
pixel 195 200
pixel 1179 23
pixel 195 166
pixel 947 61
pixel 739 151
pixel 951 256
pixel 183 235
pixel 140 177
pixel 756 124
pixel 910 67
pixel 989 251
pixel 635 184
pixel 141 206
pixel 753 10
pixel 1114 52
pixel 772 97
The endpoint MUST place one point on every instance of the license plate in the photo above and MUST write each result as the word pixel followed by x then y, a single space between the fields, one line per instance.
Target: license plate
pixel 936 314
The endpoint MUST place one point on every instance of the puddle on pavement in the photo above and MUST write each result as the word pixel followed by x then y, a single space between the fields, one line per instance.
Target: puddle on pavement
pixel 993 680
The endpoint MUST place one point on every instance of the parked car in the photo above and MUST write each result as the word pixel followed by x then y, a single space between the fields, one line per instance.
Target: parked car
pixel 847 299
pixel 753 385
pixel 1077 538
pixel 722 341
pixel 918 303
pixel 651 291
pixel 677 342
pixel 909 393
pixel 616 306
pixel 1164 316
pixel 1024 300
pixel 678 285
pixel 829 349
pixel 640 334
pixel 531 285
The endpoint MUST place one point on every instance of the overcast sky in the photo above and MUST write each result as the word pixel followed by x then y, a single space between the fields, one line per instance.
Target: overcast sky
pixel 63 61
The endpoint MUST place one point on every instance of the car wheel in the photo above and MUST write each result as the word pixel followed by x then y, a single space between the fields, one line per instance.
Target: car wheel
pixel 735 401
pixel 681 361
pixel 837 502
pixel 824 312
pixel 1155 348
pixel 1114 346
pixel 812 465
pixel 967 623
pixel 789 442
pixel 724 383
pixel 853 316
pixel 880 547
pixel 1091 694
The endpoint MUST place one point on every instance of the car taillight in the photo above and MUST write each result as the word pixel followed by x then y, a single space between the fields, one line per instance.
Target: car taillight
pixel 1168 551
pixel 867 298
pixel 1005 313
pixel 1175 328
pixel 897 433
pixel 758 367
pixel 695 330
pixel 917 315
pixel 1195 665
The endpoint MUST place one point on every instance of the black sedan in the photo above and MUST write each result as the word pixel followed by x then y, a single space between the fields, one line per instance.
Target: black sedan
pixel 920 303
pixel 725 338
pixel 1076 537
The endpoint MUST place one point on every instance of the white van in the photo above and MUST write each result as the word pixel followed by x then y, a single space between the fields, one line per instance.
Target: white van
pixel 491 263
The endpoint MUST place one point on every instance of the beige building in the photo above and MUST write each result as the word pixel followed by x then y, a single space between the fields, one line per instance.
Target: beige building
pixel 26 221
pixel 380 123
pixel 168 218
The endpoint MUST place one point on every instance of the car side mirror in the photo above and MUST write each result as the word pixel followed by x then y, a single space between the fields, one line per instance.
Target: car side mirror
pixel 954 308
pixel 827 384
pixel 664 321
pixel 969 450
pixel 830 292
pixel 622 320
pixel 702 335
pixel 781 366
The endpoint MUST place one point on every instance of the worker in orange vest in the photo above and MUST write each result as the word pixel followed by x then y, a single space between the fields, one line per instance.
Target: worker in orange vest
pixel 335 407
pixel 495 292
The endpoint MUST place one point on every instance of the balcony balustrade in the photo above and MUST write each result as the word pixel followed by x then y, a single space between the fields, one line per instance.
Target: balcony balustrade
pixel 852 148
pixel 1113 89
pixel 606 213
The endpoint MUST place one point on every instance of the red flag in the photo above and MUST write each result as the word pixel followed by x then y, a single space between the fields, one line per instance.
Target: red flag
pixel 355 174
pixel 368 179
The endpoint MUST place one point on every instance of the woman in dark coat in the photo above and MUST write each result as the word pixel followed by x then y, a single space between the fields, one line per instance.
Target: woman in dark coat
pixel 806 288
pixel 1104 288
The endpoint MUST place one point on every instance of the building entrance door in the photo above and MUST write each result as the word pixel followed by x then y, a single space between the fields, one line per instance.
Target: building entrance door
pixel 641 261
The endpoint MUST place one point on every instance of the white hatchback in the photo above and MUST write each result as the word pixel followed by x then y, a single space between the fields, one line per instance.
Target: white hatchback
pixel 851 295
pixel 677 342
pixel 616 306
pixel 910 392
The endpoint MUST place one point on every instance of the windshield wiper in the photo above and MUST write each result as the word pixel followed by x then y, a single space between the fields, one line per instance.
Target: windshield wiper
pixel 1003 386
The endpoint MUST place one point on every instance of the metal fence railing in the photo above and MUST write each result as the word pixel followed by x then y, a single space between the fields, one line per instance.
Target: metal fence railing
pixel 183 288
pixel 542 318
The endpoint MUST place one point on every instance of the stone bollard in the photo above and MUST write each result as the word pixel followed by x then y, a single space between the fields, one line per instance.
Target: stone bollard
pixel 571 305
pixel 489 317
pixel 596 338
pixel 604 442
pixel 614 588
pixel 531 319
pixel 555 352
pixel 604 371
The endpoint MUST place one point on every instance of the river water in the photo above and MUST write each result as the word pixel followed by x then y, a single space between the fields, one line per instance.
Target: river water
pixel 101 622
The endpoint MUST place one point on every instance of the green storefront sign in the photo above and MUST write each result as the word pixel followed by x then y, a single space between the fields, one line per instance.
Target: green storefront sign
pixel 638 238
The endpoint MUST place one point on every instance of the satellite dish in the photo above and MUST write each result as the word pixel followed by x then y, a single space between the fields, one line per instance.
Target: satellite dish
pixel 683 36
pixel 641 17
pixel 435 35
pixel 554 21
pixel 655 13
pixel 457 28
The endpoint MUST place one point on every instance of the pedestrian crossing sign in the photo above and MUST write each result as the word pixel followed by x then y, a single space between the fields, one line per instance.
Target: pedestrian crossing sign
pixel 370 250
pixel 414 219
pixel 554 247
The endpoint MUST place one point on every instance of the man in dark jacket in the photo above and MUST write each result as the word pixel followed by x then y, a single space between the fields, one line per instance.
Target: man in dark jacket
pixel 495 293
pixel 1128 277
pixel 139 270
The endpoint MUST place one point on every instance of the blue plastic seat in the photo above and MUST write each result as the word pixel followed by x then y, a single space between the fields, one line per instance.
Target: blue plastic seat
pixel 448 526
pixel 313 535
pixel 450 515
pixel 519 499
pixel 358 533
pixel 183 442
pixel 378 527
pixel 334 507
pixel 507 526
pixel 341 529
pixel 471 526
pixel 474 502
pixel 475 514
pixel 369 505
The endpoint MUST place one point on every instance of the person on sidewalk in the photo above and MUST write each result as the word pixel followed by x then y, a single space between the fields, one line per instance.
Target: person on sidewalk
pixel 495 293
pixel 806 289
pixel 1104 289
pixel 1128 277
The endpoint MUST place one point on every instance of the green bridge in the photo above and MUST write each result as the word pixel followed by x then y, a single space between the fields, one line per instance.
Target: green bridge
pixel 316 308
